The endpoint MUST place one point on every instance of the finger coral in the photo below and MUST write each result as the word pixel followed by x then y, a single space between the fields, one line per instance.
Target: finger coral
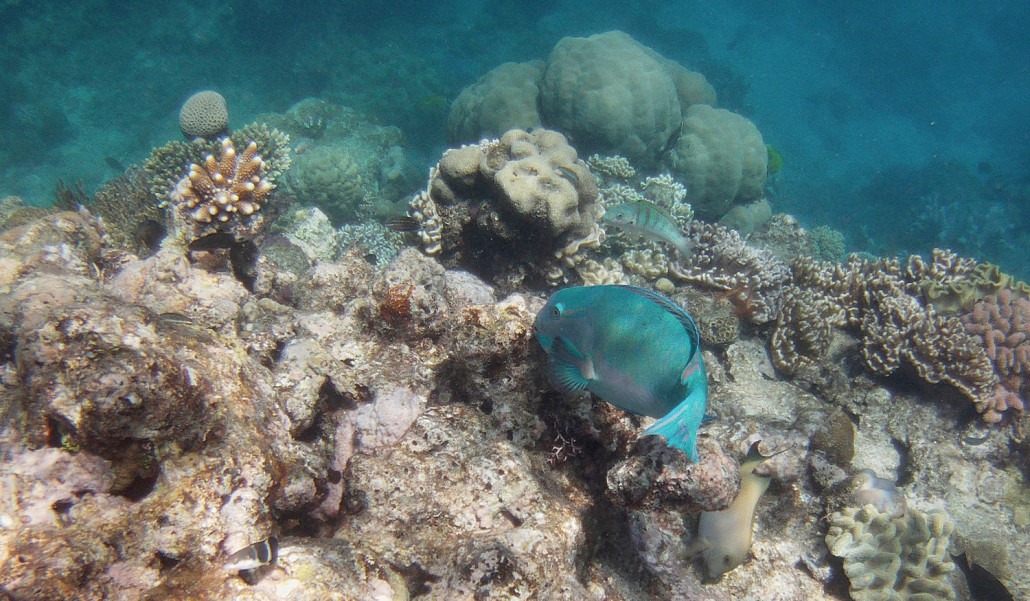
pixel 1002 323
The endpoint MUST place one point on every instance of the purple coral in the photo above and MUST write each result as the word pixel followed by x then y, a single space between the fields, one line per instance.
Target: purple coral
pixel 1002 323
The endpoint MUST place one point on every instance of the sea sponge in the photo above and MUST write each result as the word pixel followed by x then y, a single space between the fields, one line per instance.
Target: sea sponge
pixel 893 558
pixel 204 115
pixel 612 94
pixel 722 159
pixel 503 99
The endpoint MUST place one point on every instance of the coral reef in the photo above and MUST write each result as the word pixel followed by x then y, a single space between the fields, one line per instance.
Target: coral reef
pixel 881 301
pixel 504 98
pixel 899 559
pixel 231 186
pixel 508 209
pixel 204 115
pixel 327 177
pixel 609 92
pixel 132 215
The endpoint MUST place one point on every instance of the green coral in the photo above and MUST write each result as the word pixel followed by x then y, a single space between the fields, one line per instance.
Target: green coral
pixel 827 244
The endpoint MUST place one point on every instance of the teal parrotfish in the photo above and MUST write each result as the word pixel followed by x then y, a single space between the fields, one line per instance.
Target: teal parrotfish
pixel 635 349
pixel 650 221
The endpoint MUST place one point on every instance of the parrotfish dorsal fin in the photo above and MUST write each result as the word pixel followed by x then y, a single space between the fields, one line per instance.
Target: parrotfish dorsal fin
pixel 675 310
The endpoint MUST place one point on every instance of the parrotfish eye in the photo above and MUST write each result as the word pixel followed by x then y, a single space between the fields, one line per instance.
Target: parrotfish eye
pixel 557 311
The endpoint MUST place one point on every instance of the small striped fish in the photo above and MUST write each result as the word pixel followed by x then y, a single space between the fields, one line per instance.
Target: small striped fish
pixel 254 556
pixel 650 221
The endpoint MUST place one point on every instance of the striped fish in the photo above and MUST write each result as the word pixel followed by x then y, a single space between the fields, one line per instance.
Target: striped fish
pixel 254 556
pixel 650 221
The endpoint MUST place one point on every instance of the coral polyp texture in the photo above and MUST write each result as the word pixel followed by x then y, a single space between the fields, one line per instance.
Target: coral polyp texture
pixel 204 115
pixel 891 558
pixel 510 209
pixel 221 187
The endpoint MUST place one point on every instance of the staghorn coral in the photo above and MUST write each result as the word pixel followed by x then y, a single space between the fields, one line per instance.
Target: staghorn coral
pixel 1002 324
pixel 204 115
pixel 894 559
pixel 753 277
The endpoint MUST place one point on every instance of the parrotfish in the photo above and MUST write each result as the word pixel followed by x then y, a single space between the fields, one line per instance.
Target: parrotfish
pixel 650 221
pixel 724 537
pixel 635 349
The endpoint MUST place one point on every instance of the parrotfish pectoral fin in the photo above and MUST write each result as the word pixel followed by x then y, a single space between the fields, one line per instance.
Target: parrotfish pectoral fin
pixel 571 368
pixel 680 426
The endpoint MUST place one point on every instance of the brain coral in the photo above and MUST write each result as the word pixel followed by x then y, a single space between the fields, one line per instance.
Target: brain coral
pixel 612 94
pixel 510 208
pixel 505 98
pixel 204 115
pixel 722 159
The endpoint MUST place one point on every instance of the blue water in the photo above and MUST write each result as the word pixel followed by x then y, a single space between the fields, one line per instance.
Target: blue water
pixel 907 125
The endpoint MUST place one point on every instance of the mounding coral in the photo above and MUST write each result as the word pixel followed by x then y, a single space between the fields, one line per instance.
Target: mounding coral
pixel 510 209
pixel 1001 323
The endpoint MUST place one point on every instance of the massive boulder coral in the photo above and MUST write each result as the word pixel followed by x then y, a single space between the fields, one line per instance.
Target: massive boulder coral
pixel 611 93
pixel 721 157
pixel 503 99
pixel 511 208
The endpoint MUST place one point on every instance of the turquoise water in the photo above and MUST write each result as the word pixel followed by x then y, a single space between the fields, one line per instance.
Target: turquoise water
pixel 903 124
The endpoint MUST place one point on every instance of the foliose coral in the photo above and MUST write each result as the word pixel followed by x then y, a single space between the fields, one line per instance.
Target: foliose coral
pixel 881 300
pixel 753 278
pixel 894 559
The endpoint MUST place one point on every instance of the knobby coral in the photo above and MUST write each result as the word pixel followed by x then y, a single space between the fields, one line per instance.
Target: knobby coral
pixel 1002 323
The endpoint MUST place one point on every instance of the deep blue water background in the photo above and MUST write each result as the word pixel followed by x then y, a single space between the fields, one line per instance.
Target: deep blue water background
pixel 906 125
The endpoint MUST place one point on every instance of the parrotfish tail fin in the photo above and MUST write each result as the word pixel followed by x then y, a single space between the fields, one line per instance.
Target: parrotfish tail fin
pixel 680 426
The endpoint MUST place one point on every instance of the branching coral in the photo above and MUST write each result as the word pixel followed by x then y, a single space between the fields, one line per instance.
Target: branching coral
pixel 231 185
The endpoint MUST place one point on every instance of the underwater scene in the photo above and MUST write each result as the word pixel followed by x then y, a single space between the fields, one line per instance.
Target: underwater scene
pixel 468 300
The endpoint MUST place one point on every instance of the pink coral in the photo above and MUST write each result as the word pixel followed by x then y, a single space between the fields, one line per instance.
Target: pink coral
pixel 1002 323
